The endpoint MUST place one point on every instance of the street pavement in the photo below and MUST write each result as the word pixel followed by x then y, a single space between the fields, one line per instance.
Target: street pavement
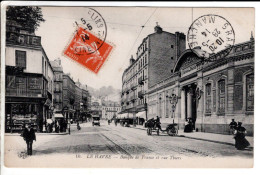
pixel 120 141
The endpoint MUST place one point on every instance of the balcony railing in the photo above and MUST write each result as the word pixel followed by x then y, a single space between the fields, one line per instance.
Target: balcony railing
pixel 26 92
pixel 141 94
pixel 140 80
pixel 132 97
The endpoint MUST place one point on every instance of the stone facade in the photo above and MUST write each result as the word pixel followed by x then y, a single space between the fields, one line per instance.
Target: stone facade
pixel 157 51
pixel 209 93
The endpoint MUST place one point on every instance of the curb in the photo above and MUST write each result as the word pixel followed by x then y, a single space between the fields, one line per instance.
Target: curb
pixel 195 138
pixel 18 134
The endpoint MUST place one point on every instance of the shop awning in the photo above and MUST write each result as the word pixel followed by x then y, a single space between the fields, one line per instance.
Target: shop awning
pixel 124 115
pixel 141 114
pixel 58 115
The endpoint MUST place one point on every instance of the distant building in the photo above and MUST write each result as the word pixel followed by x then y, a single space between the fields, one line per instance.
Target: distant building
pixel 110 110
pixel 96 109
pixel 69 90
pixel 78 100
pixel 154 62
pixel 58 85
pixel 85 103
pixel 29 79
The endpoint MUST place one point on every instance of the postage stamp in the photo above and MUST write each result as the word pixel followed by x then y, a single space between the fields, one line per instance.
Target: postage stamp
pixel 85 48
pixel 212 34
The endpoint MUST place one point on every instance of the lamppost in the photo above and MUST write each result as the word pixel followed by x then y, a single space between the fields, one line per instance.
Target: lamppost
pixel 174 100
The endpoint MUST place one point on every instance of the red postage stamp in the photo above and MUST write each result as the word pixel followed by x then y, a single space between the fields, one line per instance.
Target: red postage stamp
pixel 88 50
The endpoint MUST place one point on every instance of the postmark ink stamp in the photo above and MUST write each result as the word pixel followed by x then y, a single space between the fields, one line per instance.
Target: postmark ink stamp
pixel 84 49
pixel 94 23
pixel 211 34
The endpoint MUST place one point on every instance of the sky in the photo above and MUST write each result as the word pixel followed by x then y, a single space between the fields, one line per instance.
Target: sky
pixel 125 32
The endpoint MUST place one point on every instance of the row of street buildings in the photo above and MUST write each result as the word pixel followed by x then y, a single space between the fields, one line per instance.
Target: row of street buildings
pixel 167 80
pixel 37 88
pixel 105 109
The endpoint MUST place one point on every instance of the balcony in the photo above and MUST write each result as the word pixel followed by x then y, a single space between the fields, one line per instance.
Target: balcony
pixel 140 80
pixel 123 108
pixel 26 92
pixel 141 94
pixel 127 89
pixel 132 98
pixel 133 86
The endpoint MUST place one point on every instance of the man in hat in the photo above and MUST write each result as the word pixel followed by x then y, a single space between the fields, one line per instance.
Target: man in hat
pixel 29 136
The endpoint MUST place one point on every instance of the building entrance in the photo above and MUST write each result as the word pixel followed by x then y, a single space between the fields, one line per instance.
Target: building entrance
pixel 191 103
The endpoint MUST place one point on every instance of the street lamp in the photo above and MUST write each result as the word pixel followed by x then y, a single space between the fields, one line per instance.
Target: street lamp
pixel 174 100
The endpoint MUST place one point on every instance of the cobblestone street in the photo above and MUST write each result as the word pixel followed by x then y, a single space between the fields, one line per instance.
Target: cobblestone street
pixel 119 142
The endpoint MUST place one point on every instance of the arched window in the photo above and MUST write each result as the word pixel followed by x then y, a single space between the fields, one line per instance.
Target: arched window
pixel 221 96
pixel 208 98
pixel 250 92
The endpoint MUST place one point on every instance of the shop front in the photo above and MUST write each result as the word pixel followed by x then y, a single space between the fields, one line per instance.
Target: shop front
pixel 21 111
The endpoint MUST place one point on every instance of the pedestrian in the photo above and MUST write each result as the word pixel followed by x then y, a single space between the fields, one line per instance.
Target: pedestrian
pixel 188 126
pixel 29 136
pixel 158 123
pixel 240 134
pixel 232 126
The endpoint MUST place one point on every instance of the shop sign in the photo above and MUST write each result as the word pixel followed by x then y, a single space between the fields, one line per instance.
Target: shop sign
pixel 35 83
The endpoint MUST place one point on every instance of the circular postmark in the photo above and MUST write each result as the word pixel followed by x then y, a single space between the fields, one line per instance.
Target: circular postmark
pixel 94 23
pixel 210 35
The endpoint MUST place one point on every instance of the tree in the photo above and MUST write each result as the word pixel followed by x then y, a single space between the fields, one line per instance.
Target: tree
pixel 27 16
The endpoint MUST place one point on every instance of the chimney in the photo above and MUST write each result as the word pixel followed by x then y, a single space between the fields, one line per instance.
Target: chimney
pixel 58 61
pixel 132 60
pixel 157 28
pixel 252 38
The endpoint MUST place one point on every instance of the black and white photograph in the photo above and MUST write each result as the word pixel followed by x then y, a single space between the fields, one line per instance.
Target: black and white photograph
pixel 127 87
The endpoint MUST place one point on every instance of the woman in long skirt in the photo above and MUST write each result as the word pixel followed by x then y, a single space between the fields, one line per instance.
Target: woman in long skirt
pixel 241 142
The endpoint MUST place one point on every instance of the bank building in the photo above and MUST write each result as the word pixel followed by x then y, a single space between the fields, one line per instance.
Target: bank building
pixel 211 94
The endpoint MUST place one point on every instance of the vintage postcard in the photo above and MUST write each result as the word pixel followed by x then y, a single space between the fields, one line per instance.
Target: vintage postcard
pixel 128 87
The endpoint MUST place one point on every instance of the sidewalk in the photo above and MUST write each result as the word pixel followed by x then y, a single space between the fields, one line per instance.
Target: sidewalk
pixel 53 133
pixel 209 137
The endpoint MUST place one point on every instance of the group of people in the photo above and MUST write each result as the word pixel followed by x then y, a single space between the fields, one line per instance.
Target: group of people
pixel 239 133
pixel 57 126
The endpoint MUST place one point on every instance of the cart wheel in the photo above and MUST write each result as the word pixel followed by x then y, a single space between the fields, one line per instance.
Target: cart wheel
pixel 158 132
pixel 169 132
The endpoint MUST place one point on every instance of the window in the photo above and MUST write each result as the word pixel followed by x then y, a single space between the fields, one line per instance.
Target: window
pixel 208 98
pixel 250 92
pixel 20 58
pixel 221 96
pixel 171 46
pixel 172 58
